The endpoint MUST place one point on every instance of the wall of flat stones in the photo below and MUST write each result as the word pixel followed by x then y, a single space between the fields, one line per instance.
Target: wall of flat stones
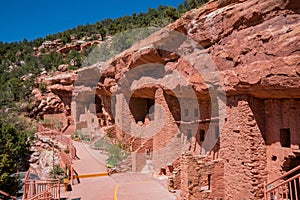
pixel 281 114
pixel 201 179
pixel 243 148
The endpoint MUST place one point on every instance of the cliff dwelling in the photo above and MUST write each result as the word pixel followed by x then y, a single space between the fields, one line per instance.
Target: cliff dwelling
pixel 218 138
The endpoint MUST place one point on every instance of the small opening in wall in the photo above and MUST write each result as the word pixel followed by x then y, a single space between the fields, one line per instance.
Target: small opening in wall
pixel 196 112
pixel 186 112
pixel 274 158
pixel 217 132
pixel 202 135
pixel 98 103
pixel 243 163
pixel 285 137
pixel 208 179
pixel 189 134
pixel 205 183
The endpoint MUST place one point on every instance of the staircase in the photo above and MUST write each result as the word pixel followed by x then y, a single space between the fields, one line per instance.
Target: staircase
pixel 285 187
pixel 41 189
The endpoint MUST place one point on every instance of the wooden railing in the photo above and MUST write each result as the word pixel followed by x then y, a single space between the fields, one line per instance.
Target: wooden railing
pixel 65 159
pixel 45 195
pixel 66 163
pixel 63 139
pixel 7 195
pixel 40 189
pixel 69 143
pixel 283 187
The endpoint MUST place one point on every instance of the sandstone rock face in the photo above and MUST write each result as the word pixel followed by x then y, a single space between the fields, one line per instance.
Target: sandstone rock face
pixel 45 155
pixel 255 44
pixel 57 96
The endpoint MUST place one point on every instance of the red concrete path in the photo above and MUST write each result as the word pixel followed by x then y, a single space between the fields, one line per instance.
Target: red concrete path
pixel 88 162
pixel 127 186
pixel 145 190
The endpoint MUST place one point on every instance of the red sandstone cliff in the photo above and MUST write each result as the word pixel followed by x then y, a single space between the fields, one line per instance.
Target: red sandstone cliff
pixel 254 44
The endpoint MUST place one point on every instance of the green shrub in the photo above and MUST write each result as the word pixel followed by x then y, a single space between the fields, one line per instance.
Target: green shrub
pixel 57 172
pixel 43 87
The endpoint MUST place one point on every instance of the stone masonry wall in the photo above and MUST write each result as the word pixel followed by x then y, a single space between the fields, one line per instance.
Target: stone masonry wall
pixel 167 146
pixel 281 114
pixel 243 149
pixel 201 179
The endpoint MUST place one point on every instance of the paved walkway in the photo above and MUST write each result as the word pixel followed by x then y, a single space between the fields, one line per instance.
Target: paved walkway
pixel 143 190
pixel 141 186
pixel 90 188
pixel 90 161
pixel 126 186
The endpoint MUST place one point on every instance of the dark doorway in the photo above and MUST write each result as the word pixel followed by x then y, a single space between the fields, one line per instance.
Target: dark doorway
pixel 285 137
pixel 141 107
pixel 98 103
pixel 202 135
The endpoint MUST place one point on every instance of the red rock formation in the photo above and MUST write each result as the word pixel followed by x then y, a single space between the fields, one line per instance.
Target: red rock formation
pixel 57 97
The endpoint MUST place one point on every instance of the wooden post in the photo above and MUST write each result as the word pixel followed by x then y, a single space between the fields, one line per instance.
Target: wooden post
pixel 72 174
pixel 58 189
pixel 265 190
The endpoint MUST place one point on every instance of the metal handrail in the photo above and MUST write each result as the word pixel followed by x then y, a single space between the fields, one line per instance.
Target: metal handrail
pixel 285 174
pixel 270 191
pixel 282 183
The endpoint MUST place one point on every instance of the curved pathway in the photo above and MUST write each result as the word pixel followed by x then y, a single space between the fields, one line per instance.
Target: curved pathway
pixel 126 186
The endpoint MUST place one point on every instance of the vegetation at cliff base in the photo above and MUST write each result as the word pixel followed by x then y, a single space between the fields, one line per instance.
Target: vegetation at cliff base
pixel 14 152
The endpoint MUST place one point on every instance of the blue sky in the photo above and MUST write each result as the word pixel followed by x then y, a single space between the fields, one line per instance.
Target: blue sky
pixel 31 19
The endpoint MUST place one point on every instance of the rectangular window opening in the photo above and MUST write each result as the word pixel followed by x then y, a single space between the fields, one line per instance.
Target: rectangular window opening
pixel 196 112
pixel 189 134
pixel 186 112
pixel 217 132
pixel 142 108
pixel 285 137
pixel 205 183
pixel 202 135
